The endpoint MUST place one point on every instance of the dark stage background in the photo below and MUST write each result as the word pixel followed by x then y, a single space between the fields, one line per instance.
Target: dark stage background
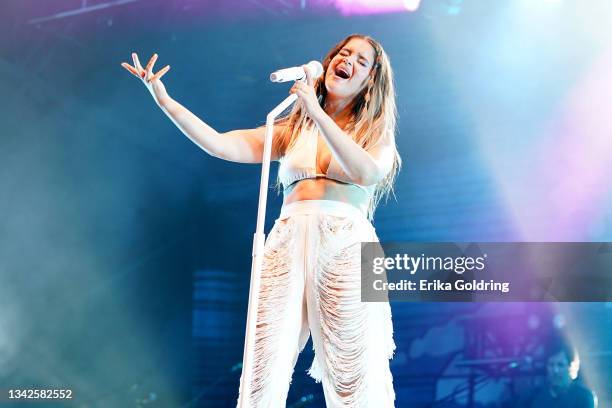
pixel 125 249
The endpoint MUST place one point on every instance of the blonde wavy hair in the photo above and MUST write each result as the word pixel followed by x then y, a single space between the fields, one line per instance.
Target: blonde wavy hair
pixel 374 115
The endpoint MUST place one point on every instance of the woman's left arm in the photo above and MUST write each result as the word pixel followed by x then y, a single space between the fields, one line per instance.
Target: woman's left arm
pixel 361 166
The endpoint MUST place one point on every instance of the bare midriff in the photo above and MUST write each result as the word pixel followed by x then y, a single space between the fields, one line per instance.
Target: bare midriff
pixel 322 188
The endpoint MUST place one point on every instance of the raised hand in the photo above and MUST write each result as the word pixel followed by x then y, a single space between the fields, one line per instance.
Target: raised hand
pixel 150 80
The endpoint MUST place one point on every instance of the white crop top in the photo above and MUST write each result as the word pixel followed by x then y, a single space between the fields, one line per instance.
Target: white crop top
pixel 300 162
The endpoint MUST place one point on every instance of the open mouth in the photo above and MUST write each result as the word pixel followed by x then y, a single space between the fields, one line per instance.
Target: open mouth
pixel 342 72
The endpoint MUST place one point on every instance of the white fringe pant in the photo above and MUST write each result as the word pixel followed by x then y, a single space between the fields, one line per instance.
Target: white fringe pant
pixel 310 284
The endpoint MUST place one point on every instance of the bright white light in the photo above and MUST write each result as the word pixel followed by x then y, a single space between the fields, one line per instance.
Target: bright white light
pixel 412 5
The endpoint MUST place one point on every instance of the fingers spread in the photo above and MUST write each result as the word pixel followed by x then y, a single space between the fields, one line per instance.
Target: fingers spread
pixel 130 68
pixel 161 73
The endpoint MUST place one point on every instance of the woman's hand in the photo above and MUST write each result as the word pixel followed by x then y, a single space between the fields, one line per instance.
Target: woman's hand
pixel 307 94
pixel 151 81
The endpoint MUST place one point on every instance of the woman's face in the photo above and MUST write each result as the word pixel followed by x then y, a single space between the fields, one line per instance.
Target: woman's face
pixel 349 71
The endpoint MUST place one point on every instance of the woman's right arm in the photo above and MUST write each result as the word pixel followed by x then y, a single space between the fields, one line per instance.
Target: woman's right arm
pixel 242 146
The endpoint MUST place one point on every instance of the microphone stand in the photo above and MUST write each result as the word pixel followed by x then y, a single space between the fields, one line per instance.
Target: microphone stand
pixel 258 251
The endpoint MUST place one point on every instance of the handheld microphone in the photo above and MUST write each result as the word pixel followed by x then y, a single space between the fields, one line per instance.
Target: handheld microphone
pixel 295 73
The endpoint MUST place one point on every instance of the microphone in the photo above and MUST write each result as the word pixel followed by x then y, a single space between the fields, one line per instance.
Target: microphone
pixel 295 73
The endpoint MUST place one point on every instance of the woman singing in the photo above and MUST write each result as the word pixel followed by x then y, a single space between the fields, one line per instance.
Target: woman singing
pixel 338 158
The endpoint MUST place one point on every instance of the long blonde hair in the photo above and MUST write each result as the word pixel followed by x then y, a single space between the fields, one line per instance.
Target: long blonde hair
pixel 374 114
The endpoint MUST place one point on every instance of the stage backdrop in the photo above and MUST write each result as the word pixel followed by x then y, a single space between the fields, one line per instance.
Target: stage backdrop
pixel 125 249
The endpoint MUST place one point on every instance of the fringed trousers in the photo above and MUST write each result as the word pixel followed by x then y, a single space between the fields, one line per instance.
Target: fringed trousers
pixel 310 285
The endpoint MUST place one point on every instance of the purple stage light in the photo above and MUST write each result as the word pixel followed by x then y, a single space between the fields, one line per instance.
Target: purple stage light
pixel 351 7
